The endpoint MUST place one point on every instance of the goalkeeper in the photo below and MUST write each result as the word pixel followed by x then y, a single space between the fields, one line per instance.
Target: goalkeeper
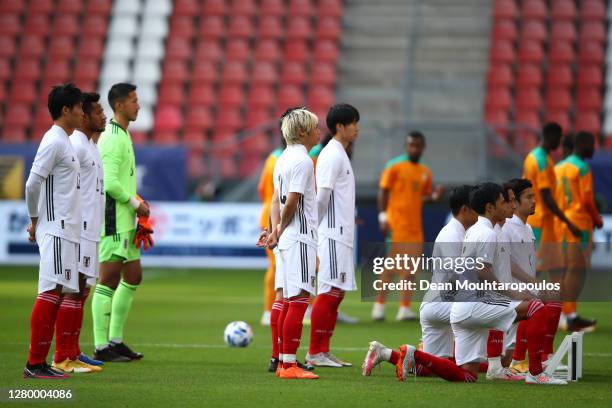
pixel 122 234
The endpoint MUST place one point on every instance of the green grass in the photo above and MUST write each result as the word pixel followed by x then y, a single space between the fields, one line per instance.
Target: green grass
pixel 177 321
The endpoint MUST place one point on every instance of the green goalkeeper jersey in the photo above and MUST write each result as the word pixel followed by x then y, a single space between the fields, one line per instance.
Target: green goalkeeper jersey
pixel 117 154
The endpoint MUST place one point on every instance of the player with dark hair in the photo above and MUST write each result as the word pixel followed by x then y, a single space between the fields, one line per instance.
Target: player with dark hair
pixel 120 269
pixel 55 214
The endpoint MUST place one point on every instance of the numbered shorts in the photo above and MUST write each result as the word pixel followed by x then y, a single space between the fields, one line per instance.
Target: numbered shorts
pixel 119 247
pixel 298 265
pixel 471 334
pixel 88 261
pixel 436 329
pixel 336 266
pixel 510 337
pixel 58 264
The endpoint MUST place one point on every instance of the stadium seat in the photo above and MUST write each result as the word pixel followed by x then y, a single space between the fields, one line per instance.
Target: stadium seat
pixel 563 31
pixel 171 94
pixel 41 7
pixel 168 118
pixel 208 50
pixel 13 133
pixel 330 8
pixel 57 71
pixel 243 7
pixel 5 70
pixel 18 115
pixel 257 117
pixel 500 75
pixel 118 49
pixel 272 8
pixel 147 73
pixel 175 72
pixel 323 74
pixel 24 93
pixel 2 97
pixel 527 118
pixel 563 10
pixel 257 144
pixel 66 25
pixel 528 99
pixel 90 48
pixel 234 73
pixel 320 98
pixel 201 95
pixel 61 46
pixel 296 50
pixel 299 28
pixel 559 76
pixel 153 27
pixel 302 8
pixel 204 72
pixel 504 29
pixel 505 9
pixel 293 74
pixel 270 27
pixel 498 97
pixel 27 70
pixel 592 31
pixel 186 7
pixel 535 9
pixel 267 50
pixel 212 27
pixel 7 47
pixel 194 138
pixel 31 46
pixel 326 51
pixel 237 50
pixel 198 119
pixel 126 26
pixel 289 96
pixel 530 52
pixel 497 117
pixel 86 70
pixel 182 26
pixel 264 73
pixel 94 26
pixel 561 53
pixel 241 27
pixel 529 75
pixel 591 53
pixel 328 28
pixel 592 10
pixel 151 50
pixel 502 52
pixel 178 48
pixel 139 137
pixel 99 7
pixel 158 7
pixel 231 96
pixel 590 76
pixel 249 164
pixel 533 30
pixel 9 25
pixel 261 97
pixel 11 7
pixel 559 116
pixel 588 99
pixel 588 121
pixel 228 118
pixel 145 120
pixel 558 99
pixel 214 8
pixel 37 24
pixel 70 6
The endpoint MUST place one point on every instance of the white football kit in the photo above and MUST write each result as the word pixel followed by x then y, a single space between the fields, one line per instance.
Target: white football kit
pixel 337 227
pixel 59 212
pixel 297 253
pixel 92 199
pixel 435 309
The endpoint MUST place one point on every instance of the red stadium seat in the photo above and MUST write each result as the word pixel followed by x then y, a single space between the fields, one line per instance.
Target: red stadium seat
pixel 588 99
pixel 529 75
pixel 256 144
pixel 330 8
pixel 241 27
pixel 14 134
pixel 186 7
pixel 11 7
pixel 237 50
pixel 58 71
pixel 296 50
pixel 498 98
pixel 590 76
pixel 563 31
pixel 500 75
pixel 212 27
pixel 2 97
pixel 22 93
pixel 178 48
pixel 261 97
pixel 504 29
pixel 272 8
pixel 94 26
pixel 61 46
pixel 267 50
pixel 7 47
pixel 249 165
pixel 234 73
pixel 37 24
pixel 588 121
pixel 9 24
pixel 563 10
pixel 270 27
pixel 502 52
pixel 31 46
pixel 229 119
pixel 70 6
pixel 559 116
pixel 243 7
pixel 299 28
pixel 301 8
pixel 86 70
pixel 528 118
pixel 592 10
pixel 535 9
pixel 41 7
pixel 182 26
pixel 99 7
pixel 320 98
pixel 201 95
pixel 530 52
pixel 204 72
pixel 289 96
pixel 328 28
pixel 326 51
pixel 67 24
pixel 559 76
pixel 174 72
pixel 264 73
pixel 168 118
pixel 231 96
pixel 165 137
pixel 171 94
pixel 591 53
pixel 505 9
pixel 558 99
pixel 90 48
pixel 5 70
pixel 593 31
pixel 561 53
pixel 533 30
pixel 528 99
pixel 497 117
pixel 208 50
pixel 323 74
pixel 18 115
pixel 257 118
pixel 194 138
pixel 27 70
pixel 214 8
pixel 293 74
pixel 198 119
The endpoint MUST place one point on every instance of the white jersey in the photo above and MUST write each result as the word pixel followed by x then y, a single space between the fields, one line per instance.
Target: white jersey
pixel 522 244
pixel 92 185
pixel 59 207
pixel 334 171
pixel 294 173
pixel 502 269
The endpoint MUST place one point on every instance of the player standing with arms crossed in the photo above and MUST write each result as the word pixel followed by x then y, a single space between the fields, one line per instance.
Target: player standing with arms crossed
pixel 55 215
pixel 120 269
pixel 336 219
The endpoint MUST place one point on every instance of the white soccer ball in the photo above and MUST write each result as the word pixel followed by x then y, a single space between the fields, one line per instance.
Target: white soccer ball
pixel 238 334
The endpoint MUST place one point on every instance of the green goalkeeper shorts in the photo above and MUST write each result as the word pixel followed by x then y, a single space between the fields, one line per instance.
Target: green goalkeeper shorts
pixel 119 247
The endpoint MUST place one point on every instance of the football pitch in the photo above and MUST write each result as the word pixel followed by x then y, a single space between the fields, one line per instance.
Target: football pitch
pixel 177 321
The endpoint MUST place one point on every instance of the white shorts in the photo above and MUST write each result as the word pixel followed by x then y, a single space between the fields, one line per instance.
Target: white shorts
pixel 88 260
pixel 510 337
pixel 471 333
pixel 58 264
pixel 298 265
pixel 436 329
pixel 278 272
pixel 336 266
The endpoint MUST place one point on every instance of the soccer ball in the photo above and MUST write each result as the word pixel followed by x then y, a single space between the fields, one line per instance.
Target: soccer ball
pixel 238 334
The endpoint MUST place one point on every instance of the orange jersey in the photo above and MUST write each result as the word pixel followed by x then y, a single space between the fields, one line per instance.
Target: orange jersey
pixel 266 187
pixel 575 188
pixel 539 169
pixel 407 183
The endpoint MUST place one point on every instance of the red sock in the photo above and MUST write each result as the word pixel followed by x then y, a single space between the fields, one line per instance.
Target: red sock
pixel 292 327
pixel 42 324
pixel 535 332
pixel 395 356
pixel 277 308
pixel 483 367
pixel 338 296
pixel 553 313
pixel 67 314
pixel 281 323
pixel 321 310
pixel 79 324
pixel 442 367
pixel 520 347
pixel 495 343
